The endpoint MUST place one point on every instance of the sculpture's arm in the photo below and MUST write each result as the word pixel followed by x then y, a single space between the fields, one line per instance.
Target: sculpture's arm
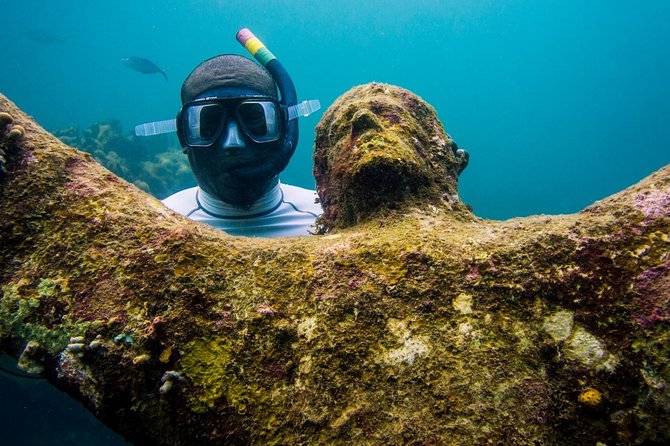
pixel 427 327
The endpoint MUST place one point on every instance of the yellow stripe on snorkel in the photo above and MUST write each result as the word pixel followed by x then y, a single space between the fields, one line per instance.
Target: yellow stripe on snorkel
pixel 254 46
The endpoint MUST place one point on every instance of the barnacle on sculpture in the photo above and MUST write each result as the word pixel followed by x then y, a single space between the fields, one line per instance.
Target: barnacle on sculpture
pixel 10 133
pixel 32 358
pixel 15 132
pixel 5 118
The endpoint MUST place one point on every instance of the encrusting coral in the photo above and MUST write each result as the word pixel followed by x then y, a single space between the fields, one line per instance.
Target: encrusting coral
pixel 411 321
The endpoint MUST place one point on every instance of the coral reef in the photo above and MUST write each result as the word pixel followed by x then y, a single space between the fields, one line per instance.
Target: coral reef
pixel 411 322
pixel 149 163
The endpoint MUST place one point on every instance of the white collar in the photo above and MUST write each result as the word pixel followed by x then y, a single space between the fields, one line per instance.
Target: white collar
pixel 266 204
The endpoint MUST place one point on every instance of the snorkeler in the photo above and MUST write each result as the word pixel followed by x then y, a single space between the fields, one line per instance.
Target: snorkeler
pixel 238 137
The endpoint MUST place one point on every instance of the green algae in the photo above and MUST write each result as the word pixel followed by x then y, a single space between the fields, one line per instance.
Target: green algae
pixel 205 363
pixel 20 304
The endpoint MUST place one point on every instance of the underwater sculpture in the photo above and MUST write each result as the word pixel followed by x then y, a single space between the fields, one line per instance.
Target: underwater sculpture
pixel 411 321
pixel 380 146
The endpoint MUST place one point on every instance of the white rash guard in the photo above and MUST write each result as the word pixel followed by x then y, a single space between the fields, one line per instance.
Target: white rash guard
pixel 285 211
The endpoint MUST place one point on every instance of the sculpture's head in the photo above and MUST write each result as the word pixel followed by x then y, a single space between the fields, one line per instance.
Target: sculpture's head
pixel 380 147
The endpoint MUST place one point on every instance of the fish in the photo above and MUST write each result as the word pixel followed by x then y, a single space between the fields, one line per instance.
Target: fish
pixel 45 37
pixel 142 65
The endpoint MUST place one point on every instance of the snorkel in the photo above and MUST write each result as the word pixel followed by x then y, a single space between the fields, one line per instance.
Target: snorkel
pixel 281 77
pixel 289 98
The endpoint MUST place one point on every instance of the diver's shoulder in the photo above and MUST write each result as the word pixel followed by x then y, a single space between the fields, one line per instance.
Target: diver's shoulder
pixel 183 201
pixel 305 200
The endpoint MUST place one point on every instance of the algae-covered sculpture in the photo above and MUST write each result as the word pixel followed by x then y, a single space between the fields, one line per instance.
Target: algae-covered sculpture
pixel 411 322
pixel 379 147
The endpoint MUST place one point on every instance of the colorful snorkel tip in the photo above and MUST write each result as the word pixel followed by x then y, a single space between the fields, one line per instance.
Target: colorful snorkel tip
pixel 255 47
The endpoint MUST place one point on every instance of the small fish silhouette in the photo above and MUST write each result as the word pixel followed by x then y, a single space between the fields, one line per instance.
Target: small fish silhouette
pixel 142 65
pixel 45 37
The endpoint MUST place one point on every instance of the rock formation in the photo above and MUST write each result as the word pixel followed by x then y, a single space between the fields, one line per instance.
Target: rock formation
pixel 411 321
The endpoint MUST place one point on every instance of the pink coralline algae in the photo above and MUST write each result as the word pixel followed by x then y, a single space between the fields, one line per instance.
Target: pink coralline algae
pixel 654 203
pixel 28 160
pixel 652 300
pixel 265 310
pixel 155 327
pixel 473 274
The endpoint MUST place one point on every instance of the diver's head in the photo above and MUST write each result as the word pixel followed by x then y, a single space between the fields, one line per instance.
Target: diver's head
pixel 233 128
pixel 380 147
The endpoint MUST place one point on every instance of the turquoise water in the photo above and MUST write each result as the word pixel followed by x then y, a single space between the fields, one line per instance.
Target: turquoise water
pixel 559 103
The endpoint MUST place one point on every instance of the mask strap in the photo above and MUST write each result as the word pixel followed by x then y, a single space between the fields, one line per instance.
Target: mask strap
pixel 156 128
pixel 304 108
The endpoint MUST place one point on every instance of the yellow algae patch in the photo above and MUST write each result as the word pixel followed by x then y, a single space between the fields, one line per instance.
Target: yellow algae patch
pixel 141 359
pixel 579 344
pixel 161 258
pixel 165 355
pixel 412 346
pixel 407 354
pixel 398 328
pixel 591 397
pixel 463 303
pixel 204 363
pixel 589 350
pixel 306 328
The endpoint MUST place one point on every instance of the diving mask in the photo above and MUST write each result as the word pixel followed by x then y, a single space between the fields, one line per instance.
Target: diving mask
pixel 202 121
pixel 259 118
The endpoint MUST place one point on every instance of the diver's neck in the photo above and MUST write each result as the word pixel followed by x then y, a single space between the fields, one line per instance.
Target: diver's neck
pixel 240 201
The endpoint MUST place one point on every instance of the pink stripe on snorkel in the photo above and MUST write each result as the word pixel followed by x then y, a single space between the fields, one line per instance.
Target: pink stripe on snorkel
pixel 243 35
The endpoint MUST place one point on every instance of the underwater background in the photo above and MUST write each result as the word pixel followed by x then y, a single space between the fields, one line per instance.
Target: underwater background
pixel 559 103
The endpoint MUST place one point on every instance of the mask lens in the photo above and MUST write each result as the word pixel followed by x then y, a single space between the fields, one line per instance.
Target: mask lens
pixel 203 124
pixel 260 120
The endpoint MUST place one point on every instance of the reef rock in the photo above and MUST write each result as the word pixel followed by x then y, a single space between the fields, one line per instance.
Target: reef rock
pixel 410 322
